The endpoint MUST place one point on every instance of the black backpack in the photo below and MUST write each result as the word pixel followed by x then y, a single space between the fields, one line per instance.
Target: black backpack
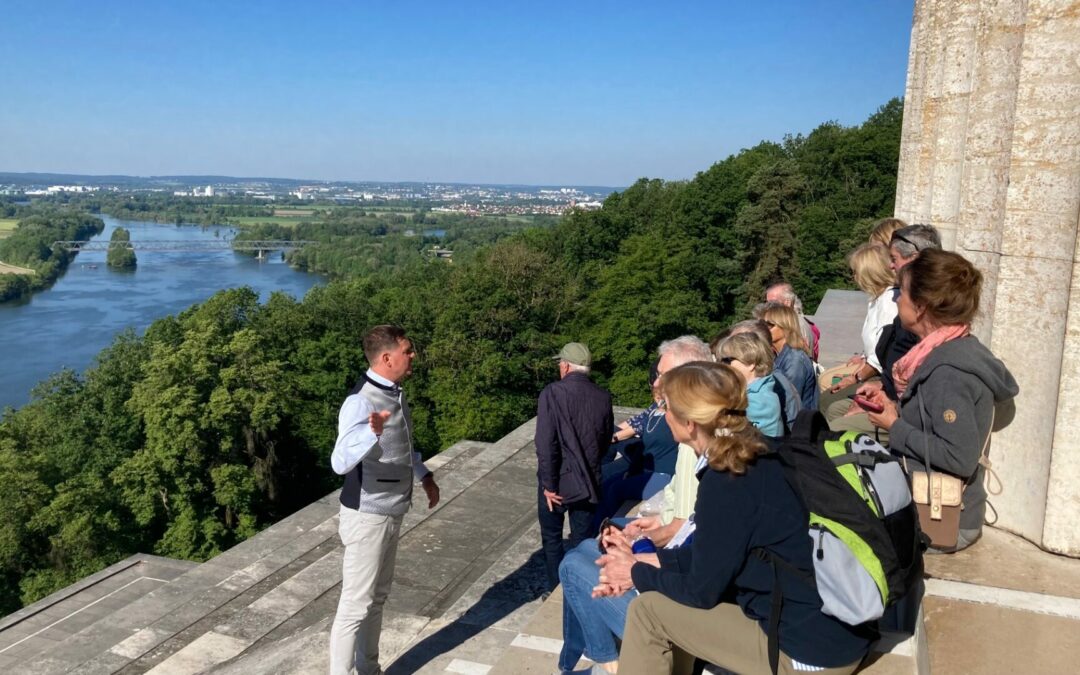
pixel 863 526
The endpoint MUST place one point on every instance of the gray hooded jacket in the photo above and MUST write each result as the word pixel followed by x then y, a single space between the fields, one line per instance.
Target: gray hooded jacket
pixel 959 384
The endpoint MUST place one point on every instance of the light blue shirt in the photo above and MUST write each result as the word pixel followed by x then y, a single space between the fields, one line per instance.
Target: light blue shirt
pixel 764 406
pixel 356 439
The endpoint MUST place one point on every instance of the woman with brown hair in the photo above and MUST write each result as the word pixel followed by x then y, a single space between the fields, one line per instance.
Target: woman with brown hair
pixel 792 352
pixel 711 598
pixel 948 384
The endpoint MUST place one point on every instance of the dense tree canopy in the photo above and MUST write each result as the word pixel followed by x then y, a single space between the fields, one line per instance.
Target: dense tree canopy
pixel 220 420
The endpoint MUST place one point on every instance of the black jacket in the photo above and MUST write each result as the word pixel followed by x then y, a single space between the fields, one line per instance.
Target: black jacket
pixel 895 341
pixel 734 515
pixel 574 424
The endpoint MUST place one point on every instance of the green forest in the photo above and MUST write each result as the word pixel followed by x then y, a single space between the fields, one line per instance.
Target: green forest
pixel 30 246
pixel 220 420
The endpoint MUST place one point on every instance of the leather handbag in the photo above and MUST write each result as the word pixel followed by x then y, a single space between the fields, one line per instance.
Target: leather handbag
pixel 939 497
pixel 939 501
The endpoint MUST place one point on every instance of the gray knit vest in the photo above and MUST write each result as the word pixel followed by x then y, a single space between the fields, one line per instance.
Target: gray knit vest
pixel 382 482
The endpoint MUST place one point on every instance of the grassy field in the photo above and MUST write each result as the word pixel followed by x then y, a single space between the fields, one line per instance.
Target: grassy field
pixel 6 226
pixel 12 269
pixel 287 221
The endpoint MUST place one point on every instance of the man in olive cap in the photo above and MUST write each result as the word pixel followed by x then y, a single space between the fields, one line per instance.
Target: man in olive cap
pixel 574 424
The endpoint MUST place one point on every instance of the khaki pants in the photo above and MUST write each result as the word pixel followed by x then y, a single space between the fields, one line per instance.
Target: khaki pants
pixel 367 571
pixel 663 636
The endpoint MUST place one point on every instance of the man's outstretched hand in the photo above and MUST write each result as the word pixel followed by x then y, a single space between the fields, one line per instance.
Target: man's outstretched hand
pixel 431 489
pixel 377 420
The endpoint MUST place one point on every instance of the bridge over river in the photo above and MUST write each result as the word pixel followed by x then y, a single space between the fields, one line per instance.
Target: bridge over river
pixel 185 245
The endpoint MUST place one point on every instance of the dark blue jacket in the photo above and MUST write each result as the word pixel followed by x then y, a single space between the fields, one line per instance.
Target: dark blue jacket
pixel 734 515
pixel 574 424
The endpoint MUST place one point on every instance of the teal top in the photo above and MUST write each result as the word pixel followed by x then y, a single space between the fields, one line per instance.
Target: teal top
pixel 764 410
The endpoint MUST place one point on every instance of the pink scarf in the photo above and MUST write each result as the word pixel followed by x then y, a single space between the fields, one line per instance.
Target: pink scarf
pixel 905 368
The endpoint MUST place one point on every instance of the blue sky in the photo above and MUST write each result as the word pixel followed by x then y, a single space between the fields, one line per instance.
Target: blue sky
pixel 587 93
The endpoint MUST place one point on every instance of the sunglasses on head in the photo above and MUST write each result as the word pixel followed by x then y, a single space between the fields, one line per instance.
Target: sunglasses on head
pixel 906 241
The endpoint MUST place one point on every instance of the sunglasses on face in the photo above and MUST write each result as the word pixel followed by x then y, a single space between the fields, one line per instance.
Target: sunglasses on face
pixel 727 360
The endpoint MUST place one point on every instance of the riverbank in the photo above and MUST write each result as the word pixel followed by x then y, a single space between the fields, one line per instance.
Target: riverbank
pixel 68 324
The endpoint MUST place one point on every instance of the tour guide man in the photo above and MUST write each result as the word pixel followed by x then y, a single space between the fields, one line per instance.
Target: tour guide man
pixel 374 451
pixel 574 423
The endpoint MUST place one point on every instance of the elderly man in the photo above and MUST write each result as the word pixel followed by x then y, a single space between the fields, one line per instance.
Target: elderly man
pixel 574 423
pixel 783 293
pixel 652 464
pixel 374 451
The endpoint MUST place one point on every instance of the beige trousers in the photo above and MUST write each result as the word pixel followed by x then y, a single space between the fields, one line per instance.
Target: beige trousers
pixel 663 636
pixel 367 571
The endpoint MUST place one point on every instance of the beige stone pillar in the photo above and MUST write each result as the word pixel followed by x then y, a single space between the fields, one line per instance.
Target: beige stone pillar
pixel 1006 193
pixel 988 147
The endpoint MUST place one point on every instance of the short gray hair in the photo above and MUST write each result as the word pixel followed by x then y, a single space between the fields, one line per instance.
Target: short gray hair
pixel 787 295
pixel 914 238
pixel 575 368
pixel 685 348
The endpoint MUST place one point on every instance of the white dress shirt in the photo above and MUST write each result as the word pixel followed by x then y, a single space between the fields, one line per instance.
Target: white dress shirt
pixel 355 438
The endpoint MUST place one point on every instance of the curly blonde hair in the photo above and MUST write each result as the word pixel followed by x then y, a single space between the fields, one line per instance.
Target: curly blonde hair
pixel 713 396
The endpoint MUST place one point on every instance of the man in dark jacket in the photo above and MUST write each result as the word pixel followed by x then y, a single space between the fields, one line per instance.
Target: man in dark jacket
pixel 574 425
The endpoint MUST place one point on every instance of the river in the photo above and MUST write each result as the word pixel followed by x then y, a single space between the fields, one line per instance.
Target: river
pixel 69 323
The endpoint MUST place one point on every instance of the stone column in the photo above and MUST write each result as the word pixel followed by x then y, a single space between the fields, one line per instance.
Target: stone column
pixel 1007 195
pixel 988 147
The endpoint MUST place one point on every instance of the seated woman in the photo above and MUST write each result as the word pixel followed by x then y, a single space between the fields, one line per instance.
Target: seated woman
pixel 869 265
pixel 592 624
pixel 948 384
pixel 711 598
pixel 753 359
pixel 792 354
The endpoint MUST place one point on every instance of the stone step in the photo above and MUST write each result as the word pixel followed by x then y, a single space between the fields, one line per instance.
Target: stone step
pixel 288 566
pixel 32 634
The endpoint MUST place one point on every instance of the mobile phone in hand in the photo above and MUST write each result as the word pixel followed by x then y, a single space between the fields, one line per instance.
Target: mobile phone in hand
pixel 867 404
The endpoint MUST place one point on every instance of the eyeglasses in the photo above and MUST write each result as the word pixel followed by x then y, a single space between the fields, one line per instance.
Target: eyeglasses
pixel 906 241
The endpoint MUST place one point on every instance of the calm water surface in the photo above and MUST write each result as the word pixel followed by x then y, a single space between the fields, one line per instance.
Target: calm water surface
pixel 68 324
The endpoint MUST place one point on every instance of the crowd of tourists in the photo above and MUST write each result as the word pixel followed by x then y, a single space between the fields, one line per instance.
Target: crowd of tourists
pixel 693 578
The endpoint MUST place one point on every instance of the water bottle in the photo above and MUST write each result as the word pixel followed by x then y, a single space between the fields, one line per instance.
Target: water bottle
pixel 643 544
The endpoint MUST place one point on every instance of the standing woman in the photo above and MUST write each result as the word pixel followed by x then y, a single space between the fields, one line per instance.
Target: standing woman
pixel 712 598
pixel 792 352
pixel 948 384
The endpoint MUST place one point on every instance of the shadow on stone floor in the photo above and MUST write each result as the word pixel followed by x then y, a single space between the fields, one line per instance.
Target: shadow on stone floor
pixel 525 584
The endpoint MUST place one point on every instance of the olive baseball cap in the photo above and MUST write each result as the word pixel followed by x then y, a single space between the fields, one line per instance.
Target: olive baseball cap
pixel 575 353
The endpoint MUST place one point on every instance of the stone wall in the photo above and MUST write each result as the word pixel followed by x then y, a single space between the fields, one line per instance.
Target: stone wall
pixel 991 156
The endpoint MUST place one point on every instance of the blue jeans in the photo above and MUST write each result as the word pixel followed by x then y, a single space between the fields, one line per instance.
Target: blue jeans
pixel 590 625
pixel 551 531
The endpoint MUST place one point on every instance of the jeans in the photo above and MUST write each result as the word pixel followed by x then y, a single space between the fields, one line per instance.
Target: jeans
pixel 590 626
pixel 551 529
pixel 617 490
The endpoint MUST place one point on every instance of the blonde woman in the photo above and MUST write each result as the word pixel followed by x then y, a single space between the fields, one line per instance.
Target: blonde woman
pixel 711 598
pixel 883 230
pixel 869 265
pixel 792 352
